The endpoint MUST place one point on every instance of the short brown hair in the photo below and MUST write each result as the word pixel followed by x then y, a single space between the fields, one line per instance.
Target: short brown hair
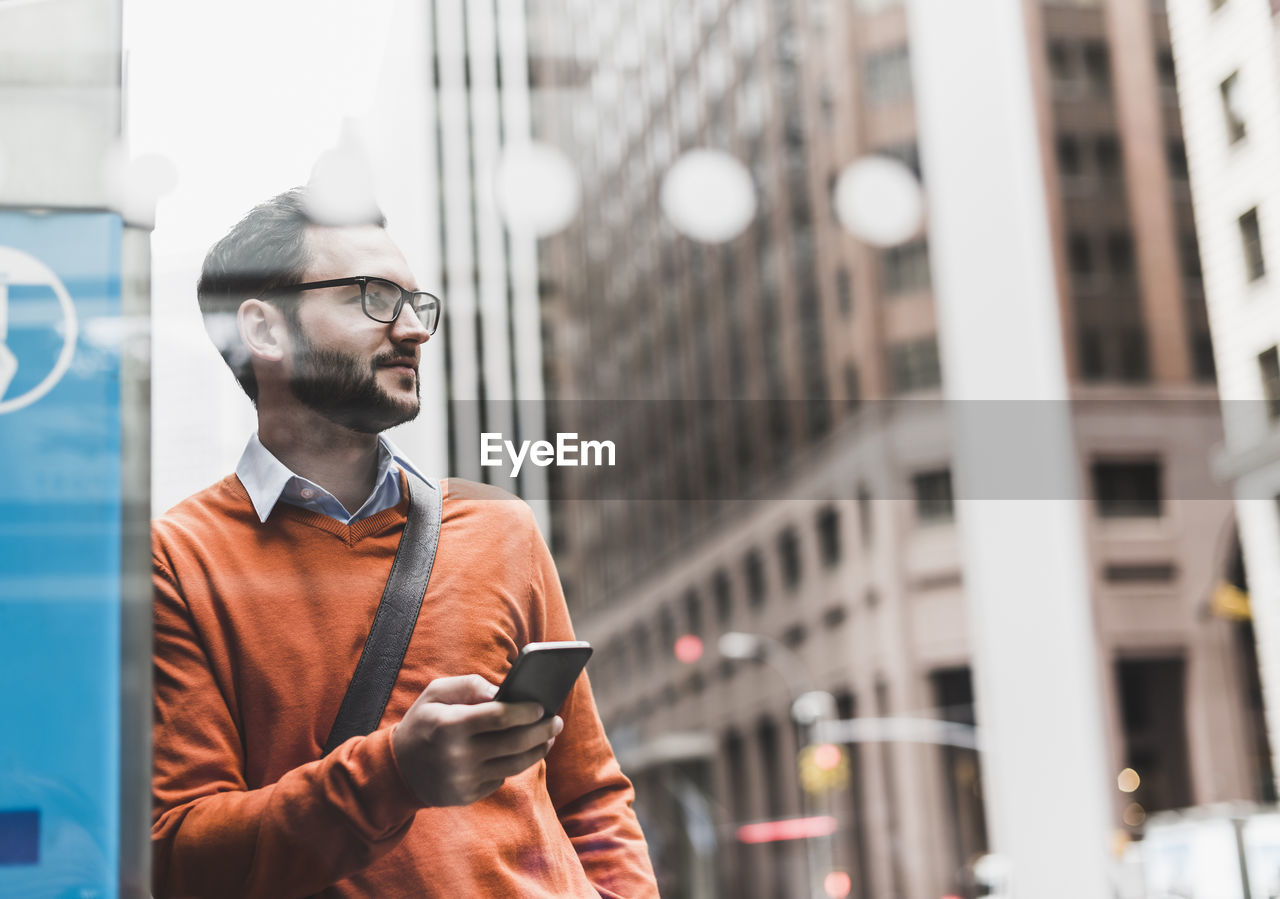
pixel 266 249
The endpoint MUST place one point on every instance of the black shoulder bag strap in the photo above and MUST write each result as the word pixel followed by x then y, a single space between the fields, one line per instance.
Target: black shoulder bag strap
pixel 388 639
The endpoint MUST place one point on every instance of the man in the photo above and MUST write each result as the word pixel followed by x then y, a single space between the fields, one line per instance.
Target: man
pixel 265 589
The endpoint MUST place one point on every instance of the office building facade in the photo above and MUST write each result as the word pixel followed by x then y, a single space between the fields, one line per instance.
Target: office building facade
pixel 785 390
pixel 1230 97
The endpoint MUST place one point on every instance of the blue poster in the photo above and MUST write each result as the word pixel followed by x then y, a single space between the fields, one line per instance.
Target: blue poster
pixel 60 551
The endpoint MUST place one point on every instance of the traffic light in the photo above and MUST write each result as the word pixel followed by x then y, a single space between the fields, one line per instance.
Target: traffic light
pixel 824 767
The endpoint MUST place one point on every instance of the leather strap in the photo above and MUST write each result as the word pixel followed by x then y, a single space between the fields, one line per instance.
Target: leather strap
pixel 388 639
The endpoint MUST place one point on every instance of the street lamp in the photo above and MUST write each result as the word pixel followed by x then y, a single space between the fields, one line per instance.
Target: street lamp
pixel 810 709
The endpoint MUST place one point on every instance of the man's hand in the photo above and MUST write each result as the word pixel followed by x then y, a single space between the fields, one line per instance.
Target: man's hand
pixel 455 745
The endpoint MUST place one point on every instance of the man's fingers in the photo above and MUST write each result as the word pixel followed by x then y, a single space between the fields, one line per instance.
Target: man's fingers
pixel 515 740
pixel 511 765
pixel 492 716
pixel 466 689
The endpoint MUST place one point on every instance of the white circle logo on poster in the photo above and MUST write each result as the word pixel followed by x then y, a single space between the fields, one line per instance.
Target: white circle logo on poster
pixel 19 269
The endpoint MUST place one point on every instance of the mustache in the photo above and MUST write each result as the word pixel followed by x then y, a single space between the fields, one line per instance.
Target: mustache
pixel 392 358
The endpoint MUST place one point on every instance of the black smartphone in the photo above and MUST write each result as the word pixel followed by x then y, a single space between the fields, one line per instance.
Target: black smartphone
pixel 545 673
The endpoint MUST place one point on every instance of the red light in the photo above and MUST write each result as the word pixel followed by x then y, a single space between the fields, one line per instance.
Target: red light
pixel 827 757
pixel 689 649
pixel 787 829
pixel 838 884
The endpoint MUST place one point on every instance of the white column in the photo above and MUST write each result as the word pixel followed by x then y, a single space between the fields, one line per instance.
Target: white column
pixel 1035 656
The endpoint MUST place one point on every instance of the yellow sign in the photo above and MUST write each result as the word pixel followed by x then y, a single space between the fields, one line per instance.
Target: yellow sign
pixel 1229 601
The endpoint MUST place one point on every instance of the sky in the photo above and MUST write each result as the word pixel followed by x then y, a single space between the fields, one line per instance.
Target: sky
pixel 241 98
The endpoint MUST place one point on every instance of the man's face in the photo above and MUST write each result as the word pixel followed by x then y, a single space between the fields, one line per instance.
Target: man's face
pixel 357 373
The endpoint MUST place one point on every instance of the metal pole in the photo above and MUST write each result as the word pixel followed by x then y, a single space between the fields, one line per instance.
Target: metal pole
pixel 810 709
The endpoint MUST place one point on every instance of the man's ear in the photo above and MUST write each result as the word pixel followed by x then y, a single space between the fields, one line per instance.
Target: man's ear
pixel 263 329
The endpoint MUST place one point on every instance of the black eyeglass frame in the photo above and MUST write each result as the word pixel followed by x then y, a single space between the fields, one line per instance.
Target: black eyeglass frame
pixel 362 281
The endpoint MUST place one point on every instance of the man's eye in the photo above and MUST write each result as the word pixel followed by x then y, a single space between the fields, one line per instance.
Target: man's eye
pixel 379 300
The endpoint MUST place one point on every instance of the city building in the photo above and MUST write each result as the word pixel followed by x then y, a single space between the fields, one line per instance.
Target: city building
pixel 478 105
pixel 782 391
pixel 1226 53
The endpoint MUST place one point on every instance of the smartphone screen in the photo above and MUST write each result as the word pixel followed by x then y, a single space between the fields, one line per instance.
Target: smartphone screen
pixel 545 673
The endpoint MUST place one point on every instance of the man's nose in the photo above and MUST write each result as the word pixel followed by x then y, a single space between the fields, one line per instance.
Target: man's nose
pixel 408 328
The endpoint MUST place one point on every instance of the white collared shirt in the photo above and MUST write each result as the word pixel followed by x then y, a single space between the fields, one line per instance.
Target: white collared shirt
pixel 268 481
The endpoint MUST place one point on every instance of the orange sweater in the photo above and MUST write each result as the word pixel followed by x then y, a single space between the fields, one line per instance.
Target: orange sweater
pixel 258 628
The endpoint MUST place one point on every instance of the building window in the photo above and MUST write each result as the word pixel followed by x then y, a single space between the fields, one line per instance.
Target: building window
pixel 1060 61
pixel 771 762
pixel 888 76
pixel 906 268
pixel 865 520
pixel 789 555
pixel 1153 716
pixel 1135 365
pixel 692 613
pixel 1106 152
pixel 829 536
pixel 827 105
pixel 1127 489
pixel 1097 66
pixel 1080 253
pixel 1255 266
pixel 1233 107
pixel 953 698
pixel 1269 367
pixel 933 496
pixel 667 632
pixel 1140 573
pixel 753 568
pixel 914 366
pixel 1114 353
pixel 735 755
pixel 1092 358
pixel 794 636
pixel 1120 255
pixel 1070 163
pixel 852 386
pixel 722 595
pixel 844 292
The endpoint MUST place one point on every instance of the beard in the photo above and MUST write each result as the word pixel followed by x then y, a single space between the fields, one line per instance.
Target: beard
pixel 344 389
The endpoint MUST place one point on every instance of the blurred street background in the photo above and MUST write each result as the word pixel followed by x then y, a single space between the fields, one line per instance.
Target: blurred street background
pixel 937 340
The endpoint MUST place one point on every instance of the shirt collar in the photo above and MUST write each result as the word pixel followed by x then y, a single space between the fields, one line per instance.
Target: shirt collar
pixel 265 477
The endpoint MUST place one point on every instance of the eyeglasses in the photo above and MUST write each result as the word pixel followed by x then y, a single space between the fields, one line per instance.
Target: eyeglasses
pixel 381 299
